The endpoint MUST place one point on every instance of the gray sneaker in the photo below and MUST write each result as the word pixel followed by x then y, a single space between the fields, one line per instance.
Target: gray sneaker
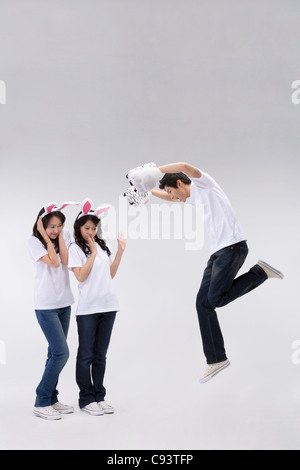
pixel 269 270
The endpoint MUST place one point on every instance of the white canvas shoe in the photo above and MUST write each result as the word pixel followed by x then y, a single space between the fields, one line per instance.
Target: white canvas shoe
pixel 61 408
pixel 106 407
pixel 46 412
pixel 269 270
pixel 213 369
pixel 93 409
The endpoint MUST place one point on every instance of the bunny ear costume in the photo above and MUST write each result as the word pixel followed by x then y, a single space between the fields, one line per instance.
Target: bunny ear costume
pixel 53 207
pixel 87 205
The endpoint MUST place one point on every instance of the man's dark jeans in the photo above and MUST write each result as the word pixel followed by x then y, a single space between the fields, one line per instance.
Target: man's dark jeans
pixel 219 287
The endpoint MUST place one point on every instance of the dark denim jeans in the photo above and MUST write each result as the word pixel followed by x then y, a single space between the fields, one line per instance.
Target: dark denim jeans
pixel 219 287
pixel 55 325
pixel 94 333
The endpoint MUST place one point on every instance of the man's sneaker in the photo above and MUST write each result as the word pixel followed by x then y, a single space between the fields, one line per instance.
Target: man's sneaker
pixel 93 409
pixel 46 412
pixel 64 409
pixel 213 369
pixel 106 407
pixel 269 270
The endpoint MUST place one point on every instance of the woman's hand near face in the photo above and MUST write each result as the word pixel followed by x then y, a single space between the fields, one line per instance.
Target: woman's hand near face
pixel 60 235
pixel 51 258
pixel 63 250
pixel 92 245
pixel 82 273
pixel 41 229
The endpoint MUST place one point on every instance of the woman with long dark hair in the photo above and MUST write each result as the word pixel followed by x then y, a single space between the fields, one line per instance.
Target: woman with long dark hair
pixel 48 248
pixel 94 267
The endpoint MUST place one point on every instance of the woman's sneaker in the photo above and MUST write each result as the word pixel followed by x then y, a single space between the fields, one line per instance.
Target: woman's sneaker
pixel 107 409
pixel 61 408
pixel 93 409
pixel 46 412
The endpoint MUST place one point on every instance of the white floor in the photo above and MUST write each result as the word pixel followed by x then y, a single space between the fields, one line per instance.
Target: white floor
pixel 168 411
pixel 154 364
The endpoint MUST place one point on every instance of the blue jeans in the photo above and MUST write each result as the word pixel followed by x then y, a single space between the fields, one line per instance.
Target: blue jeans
pixel 55 325
pixel 219 287
pixel 94 333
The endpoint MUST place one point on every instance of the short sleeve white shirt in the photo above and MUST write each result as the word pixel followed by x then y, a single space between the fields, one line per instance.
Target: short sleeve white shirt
pixel 219 217
pixel 96 293
pixel 51 285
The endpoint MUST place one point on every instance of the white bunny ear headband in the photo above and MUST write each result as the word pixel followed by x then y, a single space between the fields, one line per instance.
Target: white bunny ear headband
pixel 87 205
pixel 53 207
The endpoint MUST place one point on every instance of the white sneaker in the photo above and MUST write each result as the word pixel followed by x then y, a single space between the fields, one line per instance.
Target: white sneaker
pixel 64 409
pixel 213 369
pixel 46 412
pixel 93 409
pixel 269 270
pixel 106 407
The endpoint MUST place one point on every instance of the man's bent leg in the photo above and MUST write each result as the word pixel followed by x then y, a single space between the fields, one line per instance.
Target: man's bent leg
pixel 224 287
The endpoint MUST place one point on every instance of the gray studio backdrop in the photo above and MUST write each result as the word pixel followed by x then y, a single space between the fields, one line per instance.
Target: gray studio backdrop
pixel 94 88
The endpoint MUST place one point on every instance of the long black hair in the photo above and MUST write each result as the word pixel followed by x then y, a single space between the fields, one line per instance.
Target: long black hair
pixel 80 241
pixel 46 220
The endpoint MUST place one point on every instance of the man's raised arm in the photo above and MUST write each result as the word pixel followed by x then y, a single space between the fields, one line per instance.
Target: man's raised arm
pixel 186 168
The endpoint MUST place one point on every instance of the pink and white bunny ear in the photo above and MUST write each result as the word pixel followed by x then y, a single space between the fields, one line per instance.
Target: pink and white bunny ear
pixel 102 210
pixel 65 204
pixel 53 206
pixel 48 208
pixel 87 206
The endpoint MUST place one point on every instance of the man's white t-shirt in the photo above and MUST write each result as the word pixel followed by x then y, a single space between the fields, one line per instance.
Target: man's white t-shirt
pixel 51 285
pixel 96 293
pixel 219 217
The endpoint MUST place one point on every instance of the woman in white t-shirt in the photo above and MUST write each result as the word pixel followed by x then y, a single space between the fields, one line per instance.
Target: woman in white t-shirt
pixel 48 248
pixel 94 267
